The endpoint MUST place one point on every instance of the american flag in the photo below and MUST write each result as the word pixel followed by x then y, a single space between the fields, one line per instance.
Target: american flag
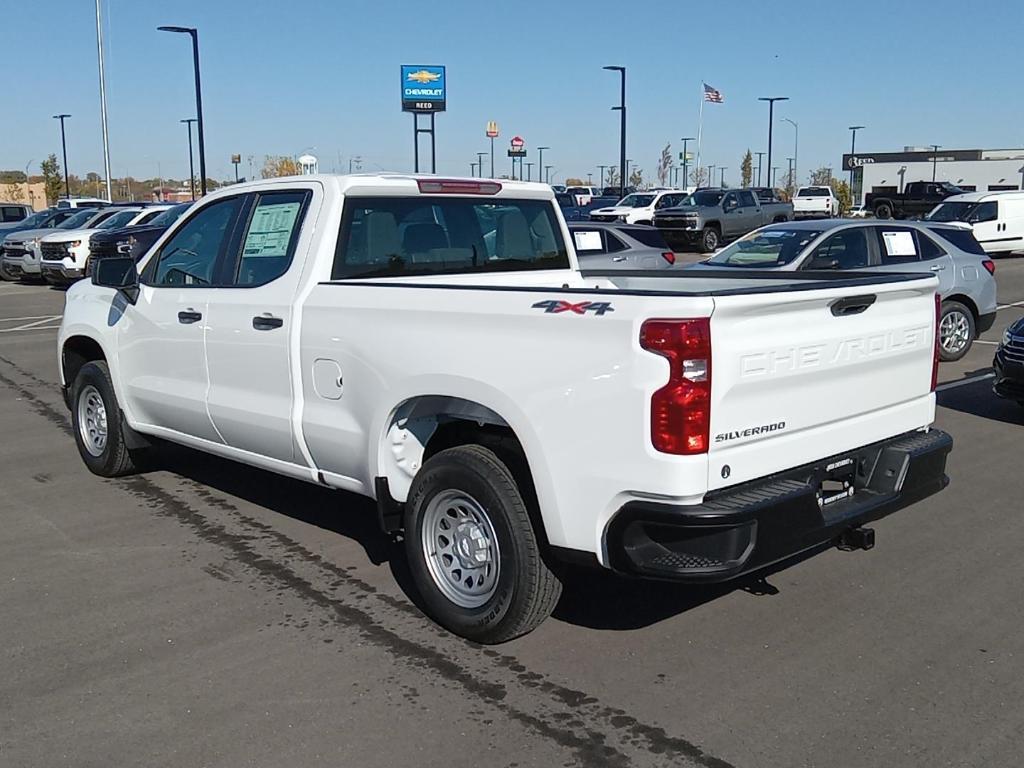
pixel 713 94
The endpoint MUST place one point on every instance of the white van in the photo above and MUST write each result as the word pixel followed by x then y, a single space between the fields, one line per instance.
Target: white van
pixel 997 218
pixel 82 202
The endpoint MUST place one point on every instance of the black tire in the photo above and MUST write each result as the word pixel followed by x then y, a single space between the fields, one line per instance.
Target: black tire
pixel 883 211
pixel 526 590
pixel 949 311
pixel 710 239
pixel 114 459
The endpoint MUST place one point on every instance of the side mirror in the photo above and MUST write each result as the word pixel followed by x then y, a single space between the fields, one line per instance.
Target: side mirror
pixel 732 205
pixel 119 273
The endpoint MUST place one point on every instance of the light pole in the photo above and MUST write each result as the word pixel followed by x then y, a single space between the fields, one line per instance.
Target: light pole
pixel 64 148
pixel 103 100
pixel 529 171
pixel 771 119
pixel 191 31
pixel 722 170
pixel 628 161
pixel 796 150
pixel 191 169
pixel 547 174
pixel 760 162
pixel 774 169
pixel 622 129
pixel 540 162
pixel 853 151
pixel 711 175
pixel 686 167
pixel 790 160
pixel 480 162
pixel 935 158
pixel 601 177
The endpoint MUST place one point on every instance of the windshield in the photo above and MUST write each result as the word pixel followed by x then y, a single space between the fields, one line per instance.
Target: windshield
pixel 77 221
pixel 814 192
pixel 765 248
pixel 169 216
pixel 955 211
pixel 118 220
pixel 35 218
pixel 704 199
pixel 636 201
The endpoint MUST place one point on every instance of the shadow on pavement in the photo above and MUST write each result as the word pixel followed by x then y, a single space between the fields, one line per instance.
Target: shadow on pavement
pixel 978 399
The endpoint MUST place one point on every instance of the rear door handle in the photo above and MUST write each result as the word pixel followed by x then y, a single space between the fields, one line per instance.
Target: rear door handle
pixel 189 316
pixel 852 305
pixel 266 322
pixel 937 268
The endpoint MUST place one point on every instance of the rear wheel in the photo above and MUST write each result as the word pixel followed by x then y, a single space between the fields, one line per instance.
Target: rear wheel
pixel 883 211
pixel 98 423
pixel 956 331
pixel 709 240
pixel 473 553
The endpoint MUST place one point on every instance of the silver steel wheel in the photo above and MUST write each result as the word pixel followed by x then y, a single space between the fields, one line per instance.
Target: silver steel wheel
pixel 954 332
pixel 460 548
pixel 92 420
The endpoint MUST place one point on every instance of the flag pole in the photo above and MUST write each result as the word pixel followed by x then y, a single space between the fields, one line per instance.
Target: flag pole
pixel 700 131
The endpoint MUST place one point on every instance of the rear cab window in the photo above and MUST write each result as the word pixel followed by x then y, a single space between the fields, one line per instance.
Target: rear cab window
pixel 424 235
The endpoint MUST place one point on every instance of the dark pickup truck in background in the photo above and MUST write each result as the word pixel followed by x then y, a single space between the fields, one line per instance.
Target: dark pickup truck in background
pixel 916 199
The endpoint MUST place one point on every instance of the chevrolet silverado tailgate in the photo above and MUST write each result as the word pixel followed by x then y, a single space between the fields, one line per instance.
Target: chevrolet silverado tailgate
pixel 801 375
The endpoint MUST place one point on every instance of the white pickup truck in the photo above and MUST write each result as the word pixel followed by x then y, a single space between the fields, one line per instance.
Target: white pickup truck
pixel 432 344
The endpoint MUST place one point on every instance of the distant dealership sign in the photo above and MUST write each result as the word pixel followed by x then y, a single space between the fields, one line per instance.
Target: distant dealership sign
pixel 423 88
pixel 518 147
pixel 861 159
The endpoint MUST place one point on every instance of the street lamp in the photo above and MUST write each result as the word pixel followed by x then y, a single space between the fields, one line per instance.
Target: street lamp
pixel 935 158
pixel 529 171
pixel 711 175
pixel 540 162
pixel 472 169
pixel 789 183
pixel 480 162
pixel 774 169
pixel 547 174
pixel 796 150
pixel 771 119
pixel 64 148
pixel 622 129
pixel 191 31
pixel 601 177
pixel 760 162
pixel 191 168
pixel 722 169
pixel 853 151
pixel 686 167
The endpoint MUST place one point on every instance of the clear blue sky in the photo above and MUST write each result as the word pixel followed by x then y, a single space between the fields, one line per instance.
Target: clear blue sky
pixel 287 77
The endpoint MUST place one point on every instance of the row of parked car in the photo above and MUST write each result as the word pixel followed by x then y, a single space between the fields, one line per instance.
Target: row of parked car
pixel 58 245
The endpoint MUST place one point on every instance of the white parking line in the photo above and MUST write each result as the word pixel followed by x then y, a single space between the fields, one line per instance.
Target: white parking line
pixel 1011 304
pixel 983 341
pixel 33 317
pixel 964 382
pixel 32 327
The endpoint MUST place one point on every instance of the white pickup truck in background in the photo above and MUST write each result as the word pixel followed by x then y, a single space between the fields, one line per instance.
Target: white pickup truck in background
pixel 815 202
pixel 432 344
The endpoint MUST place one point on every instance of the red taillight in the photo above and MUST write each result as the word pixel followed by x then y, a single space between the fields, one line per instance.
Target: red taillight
pixel 935 352
pixel 458 187
pixel 681 410
pixel 989 265
pixel 669 257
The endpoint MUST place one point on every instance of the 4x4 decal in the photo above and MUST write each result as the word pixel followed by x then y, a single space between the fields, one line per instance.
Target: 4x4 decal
pixel 557 306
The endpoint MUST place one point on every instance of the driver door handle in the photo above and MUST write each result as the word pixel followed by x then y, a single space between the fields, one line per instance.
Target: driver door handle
pixel 266 322
pixel 189 316
pixel 938 267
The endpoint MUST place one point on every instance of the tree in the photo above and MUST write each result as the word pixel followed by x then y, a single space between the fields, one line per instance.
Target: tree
pixel 279 165
pixel 842 190
pixel 51 178
pixel 636 178
pixel 613 177
pixel 747 170
pixel 821 177
pixel 572 181
pixel 699 177
pixel 665 166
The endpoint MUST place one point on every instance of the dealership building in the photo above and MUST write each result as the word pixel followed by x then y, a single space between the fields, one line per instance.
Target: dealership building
pixel 973 170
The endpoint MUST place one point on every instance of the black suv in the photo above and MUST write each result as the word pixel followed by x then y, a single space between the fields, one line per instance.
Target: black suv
pixel 1009 363
pixel 133 240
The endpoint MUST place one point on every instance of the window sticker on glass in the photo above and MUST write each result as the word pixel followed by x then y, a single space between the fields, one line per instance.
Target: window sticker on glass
pixel 899 243
pixel 587 241
pixel 270 230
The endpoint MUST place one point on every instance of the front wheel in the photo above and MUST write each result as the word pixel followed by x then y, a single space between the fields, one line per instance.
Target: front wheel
pixel 883 211
pixel 956 331
pixel 98 424
pixel 472 550
pixel 709 240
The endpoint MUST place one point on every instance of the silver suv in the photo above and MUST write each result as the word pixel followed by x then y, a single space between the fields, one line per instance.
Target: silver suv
pixel 966 274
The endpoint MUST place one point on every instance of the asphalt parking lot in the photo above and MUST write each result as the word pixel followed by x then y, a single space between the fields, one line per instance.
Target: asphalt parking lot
pixel 207 614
